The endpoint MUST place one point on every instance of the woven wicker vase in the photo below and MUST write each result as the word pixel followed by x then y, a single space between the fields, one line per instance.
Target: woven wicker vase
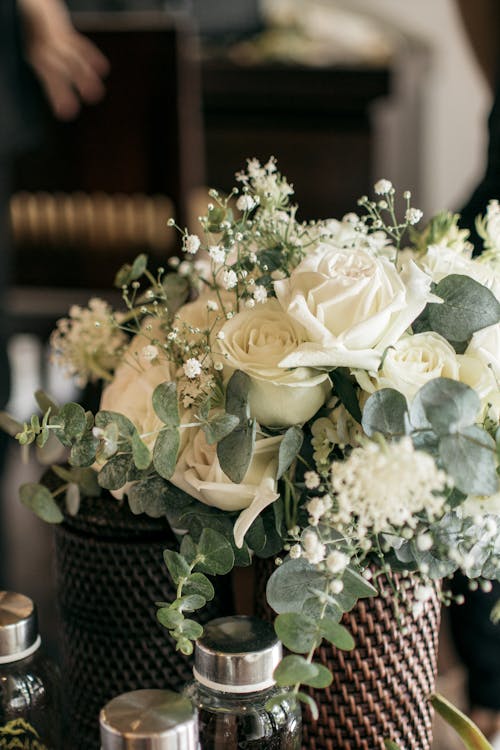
pixel 110 572
pixel 379 689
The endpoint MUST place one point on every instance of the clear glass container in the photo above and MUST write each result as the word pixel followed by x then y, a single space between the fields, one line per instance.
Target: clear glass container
pixel 30 711
pixel 234 664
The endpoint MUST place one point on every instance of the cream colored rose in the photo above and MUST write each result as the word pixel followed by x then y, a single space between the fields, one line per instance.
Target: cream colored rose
pixel 131 391
pixel 411 362
pixel 198 473
pixel 352 304
pixel 206 312
pixel 255 341
pixel 440 261
pixel 485 346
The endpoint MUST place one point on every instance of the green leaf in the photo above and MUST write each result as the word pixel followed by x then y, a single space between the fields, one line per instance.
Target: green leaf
pixel 235 451
pixel 322 679
pixel 138 266
pixel 189 603
pixel 290 585
pixel 446 404
pixel 86 478
pixel 113 474
pixel 384 412
pixel 83 452
pixel 191 629
pixel 469 458
pixel 220 427
pixel 176 565
pixel 289 448
pixel 165 404
pixel 357 586
pixel 470 734
pixel 72 420
pixel 309 702
pixel 217 553
pixel 297 632
pixel 336 634
pixel 293 670
pixel 45 402
pixel 197 583
pixel 140 452
pixel 125 427
pixel 73 499
pixel 165 451
pixel 151 496
pixel 390 745
pixel 188 549
pixel 347 391
pixel 467 307
pixel 169 617
pixel 237 391
pixel 37 498
pixel 176 290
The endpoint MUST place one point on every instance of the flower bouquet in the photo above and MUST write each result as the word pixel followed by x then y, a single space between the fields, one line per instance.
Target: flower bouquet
pixel 326 392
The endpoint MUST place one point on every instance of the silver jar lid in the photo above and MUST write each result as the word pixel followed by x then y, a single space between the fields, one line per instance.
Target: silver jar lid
pixel 237 655
pixel 149 720
pixel 18 627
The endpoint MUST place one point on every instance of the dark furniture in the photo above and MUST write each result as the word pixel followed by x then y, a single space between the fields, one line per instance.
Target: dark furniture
pixel 316 121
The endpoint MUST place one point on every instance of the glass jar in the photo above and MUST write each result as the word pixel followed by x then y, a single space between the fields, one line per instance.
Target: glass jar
pixel 149 720
pixel 234 663
pixel 30 714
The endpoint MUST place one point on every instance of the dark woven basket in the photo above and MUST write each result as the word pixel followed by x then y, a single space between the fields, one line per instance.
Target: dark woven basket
pixel 379 689
pixel 110 572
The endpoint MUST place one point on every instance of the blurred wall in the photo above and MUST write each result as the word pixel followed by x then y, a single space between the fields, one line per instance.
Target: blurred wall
pixel 453 102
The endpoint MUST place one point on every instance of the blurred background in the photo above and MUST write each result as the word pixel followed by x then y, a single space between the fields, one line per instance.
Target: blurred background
pixel 342 92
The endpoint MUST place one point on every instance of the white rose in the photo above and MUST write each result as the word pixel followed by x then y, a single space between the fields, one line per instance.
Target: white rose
pixel 352 304
pixel 440 261
pixel 255 341
pixel 131 390
pixel 412 362
pixel 485 346
pixel 205 312
pixel 481 368
pixel 198 473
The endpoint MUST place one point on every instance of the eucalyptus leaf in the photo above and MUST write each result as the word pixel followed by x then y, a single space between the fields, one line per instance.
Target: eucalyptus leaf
pixel 216 551
pixel 165 451
pixel 290 585
pixel 236 450
pixel 384 412
pixel 165 404
pixel 113 474
pixel 309 702
pixel 293 670
pixel 469 457
pixel 467 307
pixel 297 632
pixel 198 583
pixel 138 266
pixel 356 585
pixel 289 449
pixel 220 427
pixel 140 452
pixel 83 452
pixel 150 495
pixel 125 427
pixel 256 535
pixel 322 679
pixel 189 603
pixel 176 565
pixel 72 420
pixel 169 617
pixel 39 499
pixel 188 549
pixel 446 404
pixel 191 629
pixel 336 634
pixel 237 391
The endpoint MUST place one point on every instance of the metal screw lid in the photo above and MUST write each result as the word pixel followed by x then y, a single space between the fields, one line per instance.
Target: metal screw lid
pixel 237 655
pixel 149 720
pixel 18 627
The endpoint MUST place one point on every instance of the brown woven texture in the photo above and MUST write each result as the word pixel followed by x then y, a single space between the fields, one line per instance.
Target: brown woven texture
pixel 379 689
pixel 110 572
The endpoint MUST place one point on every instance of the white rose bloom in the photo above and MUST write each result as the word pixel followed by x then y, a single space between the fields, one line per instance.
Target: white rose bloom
pixel 352 304
pixel 255 341
pixel 411 363
pixel 198 473
pixel 440 261
pixel 485 346
pixel 204 313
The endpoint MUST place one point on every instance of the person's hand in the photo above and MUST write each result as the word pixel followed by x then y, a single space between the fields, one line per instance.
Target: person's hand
pixel 69 66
